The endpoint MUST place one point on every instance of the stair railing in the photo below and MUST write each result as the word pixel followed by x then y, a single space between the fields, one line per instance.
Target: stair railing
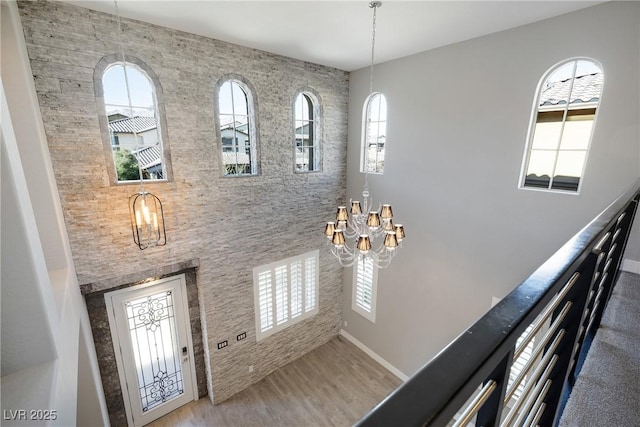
pixel 516 365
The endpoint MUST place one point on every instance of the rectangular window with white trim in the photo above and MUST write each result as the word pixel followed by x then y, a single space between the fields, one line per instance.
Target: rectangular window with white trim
pixel 285 292
pixel 365 287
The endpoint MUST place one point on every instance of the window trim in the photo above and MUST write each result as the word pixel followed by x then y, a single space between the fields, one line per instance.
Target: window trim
pixel 317 129
pixel 365 134
pixel 533 121
pixel 305 312
pixel 101 67
pixel 371 314
pixel 252 108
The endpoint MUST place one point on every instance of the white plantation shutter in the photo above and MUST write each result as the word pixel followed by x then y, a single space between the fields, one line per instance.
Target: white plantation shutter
pixel 265 306
pixel 282 296
pixel 311 290
pixel 521 361
pixel 297 282
pixel 364 288
pixel 285 293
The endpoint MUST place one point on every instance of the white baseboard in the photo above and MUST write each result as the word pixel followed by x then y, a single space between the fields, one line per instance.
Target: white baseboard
pixel 630 266
pixel 395 371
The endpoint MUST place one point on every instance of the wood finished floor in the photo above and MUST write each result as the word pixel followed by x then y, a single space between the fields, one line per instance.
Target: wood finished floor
pixel 333 385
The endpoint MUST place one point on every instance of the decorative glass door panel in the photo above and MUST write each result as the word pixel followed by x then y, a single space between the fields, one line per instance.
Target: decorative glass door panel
pixel 153 349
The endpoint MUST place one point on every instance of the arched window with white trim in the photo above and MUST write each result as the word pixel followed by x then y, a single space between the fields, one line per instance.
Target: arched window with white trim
pixel 374 134
pixel 238 134
pixel 562 126
pixel 307 132
pixel 134 128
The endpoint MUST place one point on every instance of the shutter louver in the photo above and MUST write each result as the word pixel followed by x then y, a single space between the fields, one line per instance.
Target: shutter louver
pixel 265 301
pixel 296 289
pixel 520 362
pixel 364 284
pixel 281 295
pixel 310 283
pixel 285 293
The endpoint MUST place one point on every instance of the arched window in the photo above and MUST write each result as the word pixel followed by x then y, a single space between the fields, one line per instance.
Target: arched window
pixel 562 125
pixel 306 131
pixel 237 128
pixel 134 129
pixel 374 134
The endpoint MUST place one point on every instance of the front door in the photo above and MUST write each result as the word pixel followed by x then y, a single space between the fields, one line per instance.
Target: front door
pixel 152 340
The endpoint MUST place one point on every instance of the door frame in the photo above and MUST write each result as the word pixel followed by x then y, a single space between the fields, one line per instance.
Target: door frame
pixel 115 336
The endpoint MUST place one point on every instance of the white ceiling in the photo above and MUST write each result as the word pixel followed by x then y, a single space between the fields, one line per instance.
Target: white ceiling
pixel 338 33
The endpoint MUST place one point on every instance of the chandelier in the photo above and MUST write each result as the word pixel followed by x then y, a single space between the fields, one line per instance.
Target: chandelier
pixel 362 232
pixel 145 209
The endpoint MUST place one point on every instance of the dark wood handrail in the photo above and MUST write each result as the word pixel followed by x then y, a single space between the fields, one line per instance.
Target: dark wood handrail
pixel 438 390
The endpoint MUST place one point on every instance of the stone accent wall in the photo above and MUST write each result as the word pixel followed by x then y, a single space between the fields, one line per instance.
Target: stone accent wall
pixel 99 319
pixel 229 224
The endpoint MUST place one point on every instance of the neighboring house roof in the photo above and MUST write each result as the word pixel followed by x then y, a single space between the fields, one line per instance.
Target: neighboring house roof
pixel 148 156
pixel 586 88
pixel 302 130
pixel 239 127
pixel 116 116
pixel 142 124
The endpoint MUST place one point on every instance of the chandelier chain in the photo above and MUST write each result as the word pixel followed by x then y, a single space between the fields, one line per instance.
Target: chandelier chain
pixel 147 214
pixel 373 5
pixel 134 126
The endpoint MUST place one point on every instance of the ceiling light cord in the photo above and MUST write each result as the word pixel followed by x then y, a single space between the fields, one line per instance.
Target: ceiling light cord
pixel 126 84
pixel 373 5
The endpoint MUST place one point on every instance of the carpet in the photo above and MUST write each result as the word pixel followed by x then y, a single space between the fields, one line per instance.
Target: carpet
pixel 607 391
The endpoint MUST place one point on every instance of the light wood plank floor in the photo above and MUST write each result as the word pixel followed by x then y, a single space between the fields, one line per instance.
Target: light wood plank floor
pixel 333 385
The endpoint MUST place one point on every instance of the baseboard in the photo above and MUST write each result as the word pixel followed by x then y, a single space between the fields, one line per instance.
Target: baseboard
pixel 395 371
pixel 630 266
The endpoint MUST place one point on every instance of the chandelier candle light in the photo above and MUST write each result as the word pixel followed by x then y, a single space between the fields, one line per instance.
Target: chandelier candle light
pixel 145 209
pixel 353 236
pixel 147 220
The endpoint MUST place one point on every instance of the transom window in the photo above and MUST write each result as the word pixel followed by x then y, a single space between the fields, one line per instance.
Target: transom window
pixel 307 149
pixel 365 287
pixel 285 292
pixel 374 135
pixel 237 131
pixel 134 132
pixel 562 126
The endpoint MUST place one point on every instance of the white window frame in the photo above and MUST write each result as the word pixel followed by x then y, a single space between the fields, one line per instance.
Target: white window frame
pixel 364 149
pixel 251 128
pixel 565 108
pixel 363 283
pixel 156 114
pixel 314 120
pixel 275 299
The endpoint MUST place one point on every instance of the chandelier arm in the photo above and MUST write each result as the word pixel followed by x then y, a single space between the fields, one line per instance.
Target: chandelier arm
pixel 385 263
pixel 344 255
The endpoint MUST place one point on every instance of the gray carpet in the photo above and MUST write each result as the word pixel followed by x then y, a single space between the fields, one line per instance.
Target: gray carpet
pixel 607 392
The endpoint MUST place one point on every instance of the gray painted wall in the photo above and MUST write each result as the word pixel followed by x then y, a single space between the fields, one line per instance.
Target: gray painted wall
pixel 230 225
pixel 457 124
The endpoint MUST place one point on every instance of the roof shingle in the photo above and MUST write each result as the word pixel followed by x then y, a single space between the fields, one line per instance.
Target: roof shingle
pixel 587 88
pixel 141 123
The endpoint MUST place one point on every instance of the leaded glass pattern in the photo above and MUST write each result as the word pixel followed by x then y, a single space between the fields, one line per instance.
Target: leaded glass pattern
pixel 152 327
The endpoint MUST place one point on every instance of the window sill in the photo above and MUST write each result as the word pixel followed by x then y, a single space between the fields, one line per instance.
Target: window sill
pixel 146 182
